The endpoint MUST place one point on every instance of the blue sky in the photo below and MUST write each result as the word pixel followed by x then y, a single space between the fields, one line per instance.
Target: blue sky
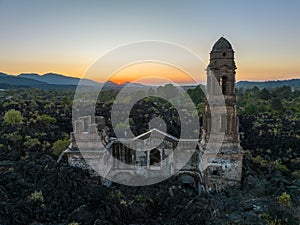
pixel 67 36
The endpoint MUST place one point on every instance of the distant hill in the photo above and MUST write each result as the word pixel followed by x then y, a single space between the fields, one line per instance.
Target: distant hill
pixel 58 79
pixel 294 83
pixel 3 75
pixel 54 81
pixel 46 81
pixel 19 81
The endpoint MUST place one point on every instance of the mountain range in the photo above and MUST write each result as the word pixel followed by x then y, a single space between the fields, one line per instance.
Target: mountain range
pixel 58 81
pixel 52 80
pixel 293 83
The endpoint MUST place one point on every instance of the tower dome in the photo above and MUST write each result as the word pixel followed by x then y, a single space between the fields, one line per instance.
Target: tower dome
pixel 221 45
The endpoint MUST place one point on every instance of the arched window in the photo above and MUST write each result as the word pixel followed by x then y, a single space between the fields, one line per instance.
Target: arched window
pixel 223 83
pixel 215 173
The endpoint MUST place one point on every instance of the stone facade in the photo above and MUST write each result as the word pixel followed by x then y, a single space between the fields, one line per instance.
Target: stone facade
pixel 225 168
pixel 222 169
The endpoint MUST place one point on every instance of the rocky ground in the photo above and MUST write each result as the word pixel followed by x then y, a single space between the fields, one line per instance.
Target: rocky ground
pixel 40 191
pixel 34 189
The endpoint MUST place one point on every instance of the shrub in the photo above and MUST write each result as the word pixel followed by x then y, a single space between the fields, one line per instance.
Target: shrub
pixel 117 194
pixel 284 199
pixel 260 161
pixel 73 223
pixel 36 197
pixel 140 198
pixel 33 144
pixel 123 202
pixel 269 220
pixel 12 117
pixel 296 174
pixel 59 146
pixel 280 166
pixel 48 119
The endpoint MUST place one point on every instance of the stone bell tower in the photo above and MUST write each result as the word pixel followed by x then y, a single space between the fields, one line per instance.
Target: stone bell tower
pixel 223 165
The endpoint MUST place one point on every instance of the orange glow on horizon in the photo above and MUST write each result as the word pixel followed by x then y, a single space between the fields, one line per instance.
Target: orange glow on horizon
pixel 71 69
pixel 152 72
pixel 247 70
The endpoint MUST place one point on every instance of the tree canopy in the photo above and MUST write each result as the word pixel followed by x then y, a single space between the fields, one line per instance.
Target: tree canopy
pixel 12 117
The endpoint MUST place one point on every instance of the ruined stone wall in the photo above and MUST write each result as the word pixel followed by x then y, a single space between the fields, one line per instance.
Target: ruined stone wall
pixel 223 171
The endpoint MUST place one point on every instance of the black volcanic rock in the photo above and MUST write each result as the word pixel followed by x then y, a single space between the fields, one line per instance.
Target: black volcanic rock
pixel 72 195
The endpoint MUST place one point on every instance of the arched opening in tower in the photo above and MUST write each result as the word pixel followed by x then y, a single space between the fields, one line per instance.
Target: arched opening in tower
pixel 223 83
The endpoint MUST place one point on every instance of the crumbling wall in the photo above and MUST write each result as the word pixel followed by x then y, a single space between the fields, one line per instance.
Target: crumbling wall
pixel 222 171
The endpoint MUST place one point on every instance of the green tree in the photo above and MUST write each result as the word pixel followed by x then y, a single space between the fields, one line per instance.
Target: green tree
pixel 264 94
pixel 200 107
pixel 276 104
pixel 59 146
pixel 251 109
pixel 47 119
pixel 284 199
pixel 12 117
pixel 168 91
pixel 252 91
pixel 32 144
pixel 197 94
pixel 37 199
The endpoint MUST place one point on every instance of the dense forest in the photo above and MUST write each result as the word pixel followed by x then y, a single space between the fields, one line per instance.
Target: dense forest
pixel 35 189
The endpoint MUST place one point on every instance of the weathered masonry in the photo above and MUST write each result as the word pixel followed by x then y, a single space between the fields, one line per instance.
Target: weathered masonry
pixel 208 169
pixel 225 168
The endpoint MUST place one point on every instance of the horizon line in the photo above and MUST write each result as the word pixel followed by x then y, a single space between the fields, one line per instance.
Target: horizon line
pixel 184 84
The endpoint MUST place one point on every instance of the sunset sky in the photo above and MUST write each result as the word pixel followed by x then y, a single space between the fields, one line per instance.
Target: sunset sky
pixel 69 36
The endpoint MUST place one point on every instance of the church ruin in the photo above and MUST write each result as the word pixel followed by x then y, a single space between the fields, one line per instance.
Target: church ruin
pixel 223 169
